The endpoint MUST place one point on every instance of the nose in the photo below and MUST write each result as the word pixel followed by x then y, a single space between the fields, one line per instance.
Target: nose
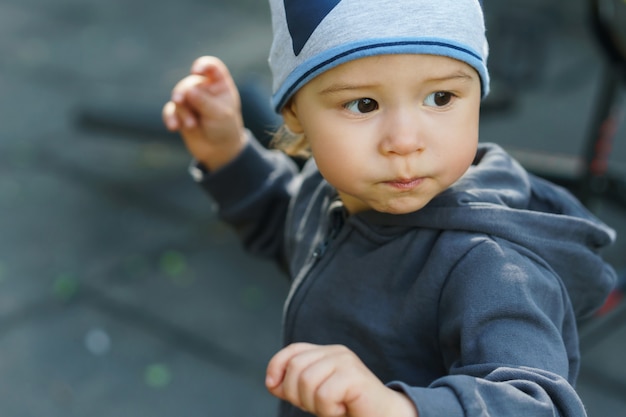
pixel 403 134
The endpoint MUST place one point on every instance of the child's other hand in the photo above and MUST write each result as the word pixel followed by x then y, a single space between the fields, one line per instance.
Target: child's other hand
pixel 205 107
pixel 331 381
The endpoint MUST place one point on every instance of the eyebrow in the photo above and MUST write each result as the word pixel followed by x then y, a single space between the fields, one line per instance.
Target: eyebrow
pixel 457 75
pixel 342 86
pixel 339 87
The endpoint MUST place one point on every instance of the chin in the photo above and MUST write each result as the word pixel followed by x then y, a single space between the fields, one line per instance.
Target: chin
pixel 401 207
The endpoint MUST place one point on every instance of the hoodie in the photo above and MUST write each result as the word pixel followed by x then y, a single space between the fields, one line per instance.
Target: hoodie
pixel 469 305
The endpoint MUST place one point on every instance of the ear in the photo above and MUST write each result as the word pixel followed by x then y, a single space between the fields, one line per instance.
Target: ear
pixel 290 117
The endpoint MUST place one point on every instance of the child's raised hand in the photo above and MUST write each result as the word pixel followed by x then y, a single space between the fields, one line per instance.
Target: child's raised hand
pixel 205 107
pixel 331 381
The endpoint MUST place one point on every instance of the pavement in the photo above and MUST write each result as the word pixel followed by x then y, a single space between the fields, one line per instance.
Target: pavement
pixel 121 293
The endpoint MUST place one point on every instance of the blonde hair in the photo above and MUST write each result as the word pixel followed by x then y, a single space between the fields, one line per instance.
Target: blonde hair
pixel 295 145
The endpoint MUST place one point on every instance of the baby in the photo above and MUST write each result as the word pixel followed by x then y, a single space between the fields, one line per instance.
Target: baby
pixel 431 274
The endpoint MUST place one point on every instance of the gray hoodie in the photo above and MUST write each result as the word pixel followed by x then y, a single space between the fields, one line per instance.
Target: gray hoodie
pixel 468 305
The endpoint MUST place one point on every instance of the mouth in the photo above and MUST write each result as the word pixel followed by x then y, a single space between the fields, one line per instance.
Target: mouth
pixel 405 184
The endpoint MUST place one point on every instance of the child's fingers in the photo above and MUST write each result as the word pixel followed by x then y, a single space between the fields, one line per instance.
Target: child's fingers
pixel 169 116
pixel 187 118
pixel 304 373
pixel 331 381
pixel 197 93
pixel 312 378
pixel 178 117
pixel 333 394
pixel 208 65
pixel 311 386
pixel 182 88
pixel 215 71
pixel 277 366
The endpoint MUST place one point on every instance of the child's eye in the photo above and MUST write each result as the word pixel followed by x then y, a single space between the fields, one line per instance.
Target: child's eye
pixel 362 105
pixel 439 99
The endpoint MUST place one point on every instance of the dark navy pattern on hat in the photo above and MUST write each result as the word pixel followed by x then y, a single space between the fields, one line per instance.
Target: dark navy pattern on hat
pixel 303 17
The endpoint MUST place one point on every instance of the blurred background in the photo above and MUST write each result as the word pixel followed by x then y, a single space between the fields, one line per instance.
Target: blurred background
pixel 121 294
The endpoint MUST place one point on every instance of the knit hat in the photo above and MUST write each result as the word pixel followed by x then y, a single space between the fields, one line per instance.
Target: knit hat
pixel 313 36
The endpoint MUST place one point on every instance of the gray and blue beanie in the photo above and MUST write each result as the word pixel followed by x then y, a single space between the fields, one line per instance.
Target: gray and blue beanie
pixel 313 36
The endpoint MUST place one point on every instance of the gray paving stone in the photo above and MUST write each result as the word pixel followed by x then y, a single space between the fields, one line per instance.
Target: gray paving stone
pixel 76 361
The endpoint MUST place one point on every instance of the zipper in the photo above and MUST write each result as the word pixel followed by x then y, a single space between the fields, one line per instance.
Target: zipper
pixel 335 219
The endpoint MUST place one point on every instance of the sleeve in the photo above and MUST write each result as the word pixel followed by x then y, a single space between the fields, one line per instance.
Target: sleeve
pixel 253 193
pixel 508 340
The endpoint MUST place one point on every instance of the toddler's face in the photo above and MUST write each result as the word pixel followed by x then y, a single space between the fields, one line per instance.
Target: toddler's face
pixel 390 132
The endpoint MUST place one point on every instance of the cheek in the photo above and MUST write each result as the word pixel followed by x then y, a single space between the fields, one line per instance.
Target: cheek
pixel 454 142
pixel 336 149
pixel 344 160
pixel 464 150
pixel 333 160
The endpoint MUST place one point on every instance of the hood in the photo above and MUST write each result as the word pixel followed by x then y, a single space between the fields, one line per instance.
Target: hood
pixel 499 197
